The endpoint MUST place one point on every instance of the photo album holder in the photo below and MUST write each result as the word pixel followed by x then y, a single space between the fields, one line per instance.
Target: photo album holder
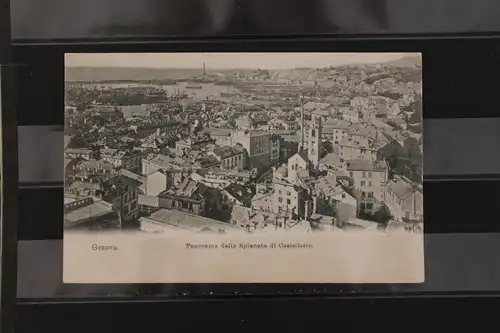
pixel 446 109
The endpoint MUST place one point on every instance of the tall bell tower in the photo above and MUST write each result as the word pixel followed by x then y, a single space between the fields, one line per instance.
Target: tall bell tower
pixel 315 140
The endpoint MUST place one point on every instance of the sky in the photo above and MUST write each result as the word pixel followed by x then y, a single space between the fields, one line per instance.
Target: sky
pixel 226 60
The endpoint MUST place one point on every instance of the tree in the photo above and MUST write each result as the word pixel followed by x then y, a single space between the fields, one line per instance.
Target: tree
pixel 77 141
pixel 416 108
pixel 382 215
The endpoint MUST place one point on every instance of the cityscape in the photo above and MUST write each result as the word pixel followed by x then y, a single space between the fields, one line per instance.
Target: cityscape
pixel 220 148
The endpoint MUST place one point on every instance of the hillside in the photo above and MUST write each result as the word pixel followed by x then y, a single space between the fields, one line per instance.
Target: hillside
pixel 85 74
pixel 123 74
pixel 409 61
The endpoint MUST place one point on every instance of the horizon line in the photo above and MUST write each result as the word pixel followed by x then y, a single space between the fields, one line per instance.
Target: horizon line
pixel 234 68
pixel 223 62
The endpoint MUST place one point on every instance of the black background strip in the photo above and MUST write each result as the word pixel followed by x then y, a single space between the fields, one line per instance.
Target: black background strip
pixel 9 175
pixel 32 19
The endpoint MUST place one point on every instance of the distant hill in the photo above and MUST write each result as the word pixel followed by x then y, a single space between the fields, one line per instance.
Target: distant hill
pixel 85 74
pixel 297 73
pixel 122 74
pixel 409 61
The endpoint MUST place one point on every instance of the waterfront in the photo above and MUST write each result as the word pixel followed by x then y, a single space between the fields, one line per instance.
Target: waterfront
pixel 208 90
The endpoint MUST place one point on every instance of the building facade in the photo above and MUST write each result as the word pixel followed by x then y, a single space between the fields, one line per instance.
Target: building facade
pixel 231 157
pixel 257 144
pixel 369 180
pixel 128 159
pixel 274 145
pixel 404 200
pixel 315 140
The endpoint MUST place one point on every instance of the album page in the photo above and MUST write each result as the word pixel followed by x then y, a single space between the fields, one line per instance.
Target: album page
pixel 243 168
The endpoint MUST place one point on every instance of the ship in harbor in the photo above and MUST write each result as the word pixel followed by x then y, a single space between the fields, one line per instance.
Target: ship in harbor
pixel 192 86
pixel 224 82
pixel 177 95
pixel 196 82
pixel 229 94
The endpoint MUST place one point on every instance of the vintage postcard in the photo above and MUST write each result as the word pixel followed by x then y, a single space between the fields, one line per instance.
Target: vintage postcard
pixel 243 168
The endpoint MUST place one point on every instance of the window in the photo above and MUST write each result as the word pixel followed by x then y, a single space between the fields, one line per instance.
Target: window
pixel 370 174
pixel 288 193
pixel 369 183
pixel 363 174
pixel 363 194
pixel 185 205
pixel 313 133
pixel 350 174
pixel 369 206
pixel 280 199
pixel 288 201
pixel 362 183
pixel 279 191
pixel 343 195
pixel 370 194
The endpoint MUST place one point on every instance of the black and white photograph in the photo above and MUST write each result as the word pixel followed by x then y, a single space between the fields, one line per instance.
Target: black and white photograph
pixel 218 159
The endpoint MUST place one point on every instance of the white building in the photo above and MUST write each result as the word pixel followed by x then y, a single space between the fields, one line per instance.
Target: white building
pixel 230 157
pixel 129 160
pixel 222 137
pixel 338 128
pixel 404 199
pixel 155 162
pixel 157 182
pixel 369 179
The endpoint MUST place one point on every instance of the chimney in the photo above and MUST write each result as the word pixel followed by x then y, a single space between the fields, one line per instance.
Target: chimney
pixel 306 209
pixel 314 202
pixel 337 222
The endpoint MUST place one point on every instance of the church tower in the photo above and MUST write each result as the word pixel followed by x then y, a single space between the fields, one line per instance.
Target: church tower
pixel 302 129
pixel 315 140
pixel 204 74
